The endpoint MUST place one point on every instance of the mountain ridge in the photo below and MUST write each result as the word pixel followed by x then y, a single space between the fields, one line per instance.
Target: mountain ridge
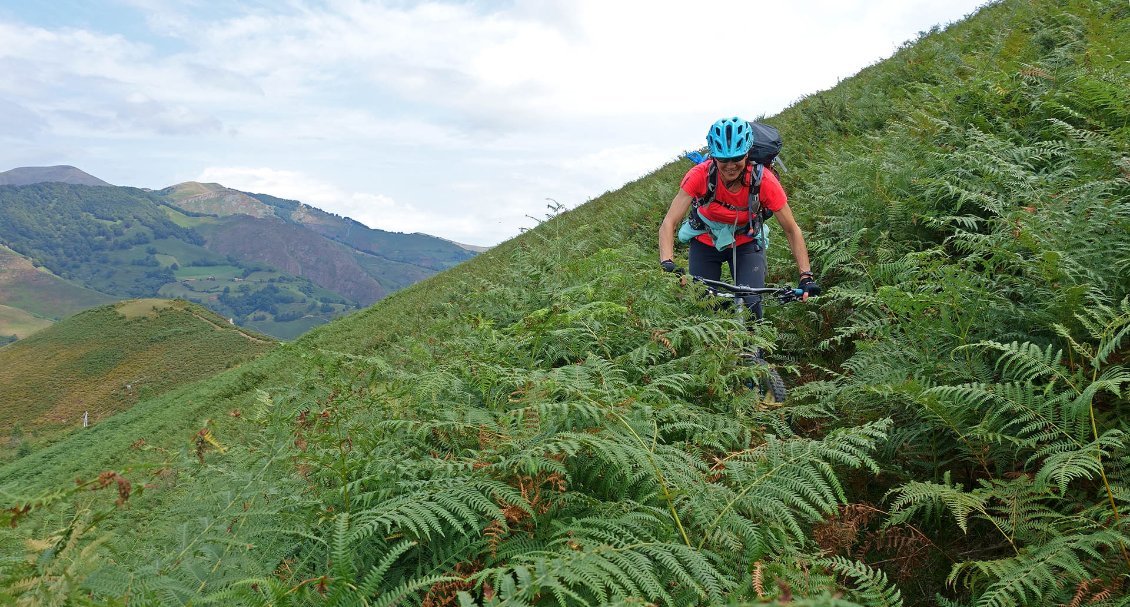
pixel 130 242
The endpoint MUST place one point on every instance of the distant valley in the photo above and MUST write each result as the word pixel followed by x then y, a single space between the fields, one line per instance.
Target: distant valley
pixel 69 241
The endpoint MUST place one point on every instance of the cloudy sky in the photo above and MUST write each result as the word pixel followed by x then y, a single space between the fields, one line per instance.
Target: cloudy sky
pixel 459 119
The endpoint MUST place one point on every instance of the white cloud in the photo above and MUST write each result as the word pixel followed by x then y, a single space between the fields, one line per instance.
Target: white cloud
pixel 372 209
pixel 457 119
pixel 265 180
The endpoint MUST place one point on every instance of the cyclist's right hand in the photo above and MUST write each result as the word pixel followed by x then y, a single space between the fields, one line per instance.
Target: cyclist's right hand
pixel 669 266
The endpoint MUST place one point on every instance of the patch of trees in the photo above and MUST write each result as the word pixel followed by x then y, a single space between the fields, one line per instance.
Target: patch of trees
pixel 149 283
pixel 289 316
pixel 245 302
pixel 205 263
pixel 148 261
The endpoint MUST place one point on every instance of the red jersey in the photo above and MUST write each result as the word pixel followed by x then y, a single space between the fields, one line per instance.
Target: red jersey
pixel 772 197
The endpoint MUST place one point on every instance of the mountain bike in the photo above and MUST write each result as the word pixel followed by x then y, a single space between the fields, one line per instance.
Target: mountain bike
pixel 769 384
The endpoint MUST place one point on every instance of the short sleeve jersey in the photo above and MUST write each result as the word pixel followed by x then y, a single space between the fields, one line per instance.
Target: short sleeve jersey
pixel 731 207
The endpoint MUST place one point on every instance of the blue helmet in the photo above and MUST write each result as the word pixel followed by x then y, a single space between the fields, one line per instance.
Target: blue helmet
pixel 730 138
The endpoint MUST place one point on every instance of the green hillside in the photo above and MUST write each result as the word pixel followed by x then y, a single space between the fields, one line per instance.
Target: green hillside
pixel 560 423
pixel 103 361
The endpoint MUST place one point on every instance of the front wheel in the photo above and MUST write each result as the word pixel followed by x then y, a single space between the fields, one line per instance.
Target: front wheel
pixel 768 383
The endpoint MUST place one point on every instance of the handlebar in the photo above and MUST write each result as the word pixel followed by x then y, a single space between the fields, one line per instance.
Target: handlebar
pixel 781 294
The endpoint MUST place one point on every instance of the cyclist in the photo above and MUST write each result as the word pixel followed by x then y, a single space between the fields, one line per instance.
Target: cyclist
pixel 730 241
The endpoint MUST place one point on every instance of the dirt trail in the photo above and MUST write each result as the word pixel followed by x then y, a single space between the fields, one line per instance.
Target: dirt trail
pixel 236 329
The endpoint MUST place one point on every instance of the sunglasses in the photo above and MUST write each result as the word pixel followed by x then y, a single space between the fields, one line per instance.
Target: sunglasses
pixel 735 160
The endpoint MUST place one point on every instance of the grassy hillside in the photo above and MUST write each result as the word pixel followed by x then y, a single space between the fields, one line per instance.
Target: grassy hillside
pixel 39 293
pixel 105 360
pixel 560 423
pixel 294 250
pixel 17 324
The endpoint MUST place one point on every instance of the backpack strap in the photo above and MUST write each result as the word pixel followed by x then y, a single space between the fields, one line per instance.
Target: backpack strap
pixel 707 198
pixel 754 210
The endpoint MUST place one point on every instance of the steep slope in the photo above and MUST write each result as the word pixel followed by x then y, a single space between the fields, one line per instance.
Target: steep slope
pixel 104 360
pixel 560 423
pixel 56 174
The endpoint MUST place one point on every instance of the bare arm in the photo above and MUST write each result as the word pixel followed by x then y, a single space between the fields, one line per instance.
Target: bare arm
pixel 679 207
pixel 796 239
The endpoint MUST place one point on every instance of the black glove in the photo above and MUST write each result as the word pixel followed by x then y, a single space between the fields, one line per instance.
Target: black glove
pixel 669 266
pixel 809 286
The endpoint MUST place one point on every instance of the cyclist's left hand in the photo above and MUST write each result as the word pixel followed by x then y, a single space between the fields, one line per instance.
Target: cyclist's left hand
pixel 809 286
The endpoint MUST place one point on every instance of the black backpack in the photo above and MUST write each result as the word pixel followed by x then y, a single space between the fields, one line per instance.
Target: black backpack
pixel 766 147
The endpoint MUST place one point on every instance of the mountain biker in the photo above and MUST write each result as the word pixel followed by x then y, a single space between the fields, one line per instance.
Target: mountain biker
pixel 729 141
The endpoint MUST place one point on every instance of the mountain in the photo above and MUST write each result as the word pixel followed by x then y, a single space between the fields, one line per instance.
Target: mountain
pixel 106 359
pixel 215 199
pixel 420 250
pixel 276 265
pixel 126 243
pixel 55 174
pixel 559 422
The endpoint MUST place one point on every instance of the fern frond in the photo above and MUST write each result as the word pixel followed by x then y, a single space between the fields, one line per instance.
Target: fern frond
pixel 1025 578
pixel 869 585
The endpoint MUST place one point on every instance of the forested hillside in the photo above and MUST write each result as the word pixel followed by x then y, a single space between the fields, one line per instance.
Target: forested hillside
pixel 561 423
